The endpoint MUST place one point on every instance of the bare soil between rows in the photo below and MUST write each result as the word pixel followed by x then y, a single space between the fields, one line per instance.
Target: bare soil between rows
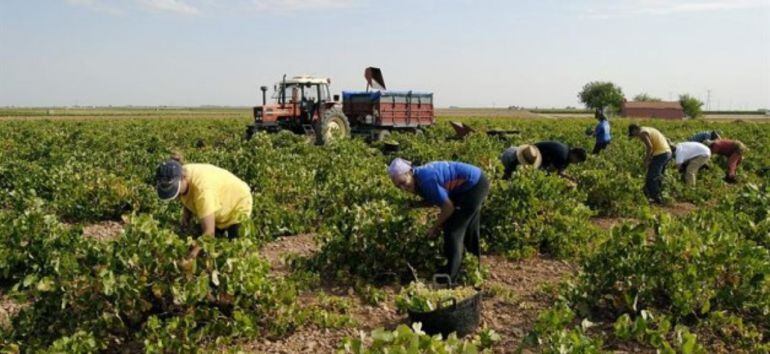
pixel 523 289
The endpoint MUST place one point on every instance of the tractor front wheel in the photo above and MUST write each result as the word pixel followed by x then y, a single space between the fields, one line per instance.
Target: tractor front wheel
pixel 250 130
pixel 332 126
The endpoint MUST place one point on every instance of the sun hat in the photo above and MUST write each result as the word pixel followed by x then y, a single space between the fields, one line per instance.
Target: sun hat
pixel 168 176
pixel 398 167
pixel 528 154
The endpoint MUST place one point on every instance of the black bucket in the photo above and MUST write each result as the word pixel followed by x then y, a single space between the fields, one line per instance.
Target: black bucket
pixel 390 147
pixel 453 315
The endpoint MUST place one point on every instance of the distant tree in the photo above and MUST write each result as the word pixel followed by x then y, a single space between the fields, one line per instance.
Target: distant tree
pixel 598 94
pixel 644 97
pixel 691 105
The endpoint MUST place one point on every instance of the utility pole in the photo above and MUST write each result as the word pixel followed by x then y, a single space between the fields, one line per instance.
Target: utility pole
pixel 708 99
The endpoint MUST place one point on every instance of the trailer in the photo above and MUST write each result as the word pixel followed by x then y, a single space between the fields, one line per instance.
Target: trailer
pixel 376 113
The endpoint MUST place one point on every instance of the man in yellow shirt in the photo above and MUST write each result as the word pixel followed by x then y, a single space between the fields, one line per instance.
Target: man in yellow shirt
pixel 216 197
pixel 656 157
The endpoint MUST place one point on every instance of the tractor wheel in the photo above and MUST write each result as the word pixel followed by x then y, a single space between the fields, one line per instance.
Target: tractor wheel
pixel 332 126
pixel 249 133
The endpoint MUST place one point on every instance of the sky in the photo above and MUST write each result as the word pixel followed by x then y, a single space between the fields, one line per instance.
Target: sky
pixel 481 53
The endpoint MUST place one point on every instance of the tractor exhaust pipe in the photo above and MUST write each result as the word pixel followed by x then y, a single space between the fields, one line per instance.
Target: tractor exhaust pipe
pixel 264 95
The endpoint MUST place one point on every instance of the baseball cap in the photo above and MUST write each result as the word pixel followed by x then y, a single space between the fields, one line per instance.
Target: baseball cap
pixel 167 178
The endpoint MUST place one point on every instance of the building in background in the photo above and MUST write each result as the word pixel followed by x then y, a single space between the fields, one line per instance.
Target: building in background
pixel 645 109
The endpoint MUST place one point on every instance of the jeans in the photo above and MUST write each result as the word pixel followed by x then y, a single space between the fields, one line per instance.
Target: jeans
pixel 231 231
pixel 461 231
pixel 599 146
pixel 653 183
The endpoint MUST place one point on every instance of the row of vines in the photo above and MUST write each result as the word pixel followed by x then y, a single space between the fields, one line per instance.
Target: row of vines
pixel 693 283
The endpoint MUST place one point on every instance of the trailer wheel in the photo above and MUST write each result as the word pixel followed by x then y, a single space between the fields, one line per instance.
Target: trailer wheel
pixel 332 126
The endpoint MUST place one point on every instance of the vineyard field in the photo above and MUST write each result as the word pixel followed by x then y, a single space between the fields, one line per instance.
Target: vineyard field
pixel 92 261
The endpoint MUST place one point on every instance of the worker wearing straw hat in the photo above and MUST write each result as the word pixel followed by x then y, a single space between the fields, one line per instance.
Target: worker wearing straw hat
pixel 458 189
pixel 551 156
pixel 525 155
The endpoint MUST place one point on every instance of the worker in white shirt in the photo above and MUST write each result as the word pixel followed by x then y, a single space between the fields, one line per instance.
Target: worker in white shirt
pixel 689 158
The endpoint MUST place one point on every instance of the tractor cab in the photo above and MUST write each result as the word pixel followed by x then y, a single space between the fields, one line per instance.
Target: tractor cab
pixel 299 105
pixel 309 94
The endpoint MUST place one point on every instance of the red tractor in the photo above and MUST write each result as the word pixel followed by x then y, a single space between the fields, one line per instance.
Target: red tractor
pixel 304 106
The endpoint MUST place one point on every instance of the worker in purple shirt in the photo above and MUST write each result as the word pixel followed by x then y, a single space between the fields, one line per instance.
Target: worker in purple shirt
pixel 458 189
pixel 601 132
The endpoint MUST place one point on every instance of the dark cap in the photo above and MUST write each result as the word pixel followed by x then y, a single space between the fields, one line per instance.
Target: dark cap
pixel 167 179
pixel 631 129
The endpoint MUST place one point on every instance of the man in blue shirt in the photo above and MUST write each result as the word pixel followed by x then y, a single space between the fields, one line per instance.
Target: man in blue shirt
pixel 601 132
pixel 458 189
pixel 701 137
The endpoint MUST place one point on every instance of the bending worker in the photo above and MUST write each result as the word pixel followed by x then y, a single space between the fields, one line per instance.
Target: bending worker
pixel 690 157
pixel 458 189
pixel 701 137
pixel 656 157
pixel 547 155
pixel 733 150
pixel 217 198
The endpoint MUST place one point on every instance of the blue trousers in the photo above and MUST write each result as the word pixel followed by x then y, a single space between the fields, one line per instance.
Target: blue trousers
pixel 653 183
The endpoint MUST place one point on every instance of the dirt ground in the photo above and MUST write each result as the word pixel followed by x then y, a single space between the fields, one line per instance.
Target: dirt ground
pixel 679 209
pixel 103 231
pixel 8 308
pixel 521 290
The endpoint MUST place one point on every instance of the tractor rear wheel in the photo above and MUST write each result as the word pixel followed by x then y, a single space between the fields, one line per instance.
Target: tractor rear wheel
pixel 332 126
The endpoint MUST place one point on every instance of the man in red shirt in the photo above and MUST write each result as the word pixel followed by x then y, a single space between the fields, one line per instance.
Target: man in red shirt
pixel 733 150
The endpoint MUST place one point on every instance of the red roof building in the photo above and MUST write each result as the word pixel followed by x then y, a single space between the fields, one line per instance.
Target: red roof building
pixel 646 109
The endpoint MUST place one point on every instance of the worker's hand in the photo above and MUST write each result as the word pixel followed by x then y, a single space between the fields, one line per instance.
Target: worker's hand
pixel 194 251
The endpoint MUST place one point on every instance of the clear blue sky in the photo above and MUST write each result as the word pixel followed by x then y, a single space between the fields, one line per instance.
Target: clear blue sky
pixel 469 53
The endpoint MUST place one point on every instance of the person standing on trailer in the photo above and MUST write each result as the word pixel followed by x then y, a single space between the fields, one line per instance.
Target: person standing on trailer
pixel 459 189
pixel 601 132
pixel 733 150
pixel 656 157
pixel 689 157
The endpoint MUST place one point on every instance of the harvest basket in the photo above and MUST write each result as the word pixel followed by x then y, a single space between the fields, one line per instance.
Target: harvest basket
pixel 452 315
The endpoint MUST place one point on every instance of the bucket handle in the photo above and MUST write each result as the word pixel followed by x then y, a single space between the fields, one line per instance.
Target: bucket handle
pixel 438 276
